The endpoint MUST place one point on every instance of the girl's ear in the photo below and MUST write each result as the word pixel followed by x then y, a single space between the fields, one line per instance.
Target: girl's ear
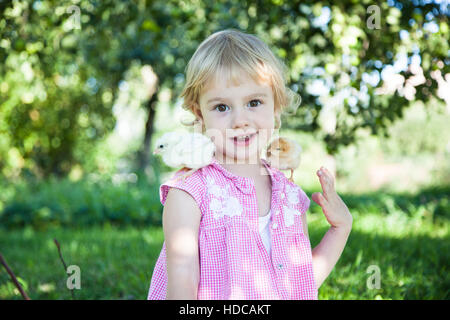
pixel 199 125
pixel 197 112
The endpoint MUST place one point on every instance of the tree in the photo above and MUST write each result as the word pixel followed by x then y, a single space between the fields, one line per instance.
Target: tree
pixel 63 64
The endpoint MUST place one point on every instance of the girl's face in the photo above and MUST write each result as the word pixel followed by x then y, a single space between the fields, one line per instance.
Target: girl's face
pixel 228 112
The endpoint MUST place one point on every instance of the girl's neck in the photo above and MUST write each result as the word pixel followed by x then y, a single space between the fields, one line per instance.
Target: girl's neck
pixel 248 169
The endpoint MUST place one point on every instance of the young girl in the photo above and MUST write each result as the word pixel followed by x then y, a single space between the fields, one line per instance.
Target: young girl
pixel 236 228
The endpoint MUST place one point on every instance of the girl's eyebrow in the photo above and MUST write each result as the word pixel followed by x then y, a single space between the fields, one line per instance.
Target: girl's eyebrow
pixel 245 98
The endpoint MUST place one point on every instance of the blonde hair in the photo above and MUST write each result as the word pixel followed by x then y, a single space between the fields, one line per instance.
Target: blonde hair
pixel 231 52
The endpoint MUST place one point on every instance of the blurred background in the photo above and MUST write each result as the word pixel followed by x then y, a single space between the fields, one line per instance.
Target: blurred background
pixel 86 87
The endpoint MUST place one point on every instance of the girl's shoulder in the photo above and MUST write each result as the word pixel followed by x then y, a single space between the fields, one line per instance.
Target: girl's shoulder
pixel 193 185
pixel 196 184
pixel 281 178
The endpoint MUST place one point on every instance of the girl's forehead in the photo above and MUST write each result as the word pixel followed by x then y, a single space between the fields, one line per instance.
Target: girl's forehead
pixel 221 84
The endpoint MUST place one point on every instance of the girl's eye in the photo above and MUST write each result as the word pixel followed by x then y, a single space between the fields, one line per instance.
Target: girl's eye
pixel 254 103
pixel 221 107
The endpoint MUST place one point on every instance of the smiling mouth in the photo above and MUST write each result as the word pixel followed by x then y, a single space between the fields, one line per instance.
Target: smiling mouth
pixel 244 137
pixel 243 140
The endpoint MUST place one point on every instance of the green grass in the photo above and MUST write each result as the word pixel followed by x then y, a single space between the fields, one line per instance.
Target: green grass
pixel 114 263
pixel 410 247
pixel 412 255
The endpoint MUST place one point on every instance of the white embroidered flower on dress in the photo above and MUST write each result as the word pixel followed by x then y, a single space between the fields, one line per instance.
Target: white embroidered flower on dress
pixel 210 181
pixel 222 204
pixel 232 207
pixel 292 194
pixel 216 191
pixel 215 204
pixel 289 215
pixel 212 188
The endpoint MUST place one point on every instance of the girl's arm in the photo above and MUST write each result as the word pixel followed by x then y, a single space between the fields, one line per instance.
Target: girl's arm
pixel 326 254
pixel 181 220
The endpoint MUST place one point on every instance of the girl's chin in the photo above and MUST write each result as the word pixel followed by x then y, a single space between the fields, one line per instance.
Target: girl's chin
pixel 242 157
pixel 243 154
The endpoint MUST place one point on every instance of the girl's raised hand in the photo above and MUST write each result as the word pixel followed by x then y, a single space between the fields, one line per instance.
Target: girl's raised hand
pixel 333 207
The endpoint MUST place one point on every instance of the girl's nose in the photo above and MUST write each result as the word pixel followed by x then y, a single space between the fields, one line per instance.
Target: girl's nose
pixel 240 119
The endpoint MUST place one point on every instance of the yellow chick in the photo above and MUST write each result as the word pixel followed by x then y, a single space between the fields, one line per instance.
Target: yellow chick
pixel 284 154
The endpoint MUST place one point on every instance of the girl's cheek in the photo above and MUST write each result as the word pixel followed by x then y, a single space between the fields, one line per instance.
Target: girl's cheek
pixel 218 138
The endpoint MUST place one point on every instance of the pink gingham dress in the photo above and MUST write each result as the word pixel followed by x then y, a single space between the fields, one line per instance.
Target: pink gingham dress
pixel 234 264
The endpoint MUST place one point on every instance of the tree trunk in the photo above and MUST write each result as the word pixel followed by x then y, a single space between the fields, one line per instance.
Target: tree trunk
pixel 143 154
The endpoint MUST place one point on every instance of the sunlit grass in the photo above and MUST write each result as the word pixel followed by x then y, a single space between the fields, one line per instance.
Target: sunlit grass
pixel 410 248
pixel 114 263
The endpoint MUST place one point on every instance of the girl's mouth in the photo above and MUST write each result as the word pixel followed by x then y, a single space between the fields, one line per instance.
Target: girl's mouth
pixel 243 141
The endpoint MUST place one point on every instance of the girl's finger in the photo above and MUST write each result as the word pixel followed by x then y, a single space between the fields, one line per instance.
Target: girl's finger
pixel 323 179
pixel 329 176
pixel 319 199
pixel 327 183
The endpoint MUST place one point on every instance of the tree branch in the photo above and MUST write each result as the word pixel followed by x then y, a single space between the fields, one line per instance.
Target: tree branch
pixel 13 278
pixel 64 264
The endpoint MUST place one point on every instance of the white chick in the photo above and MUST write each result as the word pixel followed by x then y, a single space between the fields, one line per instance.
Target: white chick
pixel 191 151
pixel 284 154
